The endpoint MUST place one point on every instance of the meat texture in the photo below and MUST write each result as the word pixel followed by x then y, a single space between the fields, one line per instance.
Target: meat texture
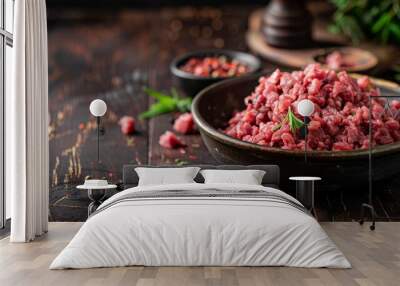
pixel 340 121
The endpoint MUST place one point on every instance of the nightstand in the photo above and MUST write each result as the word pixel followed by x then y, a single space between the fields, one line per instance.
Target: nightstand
pixel 305 191
pixel 96 195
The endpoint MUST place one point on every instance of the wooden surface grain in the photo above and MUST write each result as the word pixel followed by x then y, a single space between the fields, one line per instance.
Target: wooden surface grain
pixel 374 257
pixel 112 55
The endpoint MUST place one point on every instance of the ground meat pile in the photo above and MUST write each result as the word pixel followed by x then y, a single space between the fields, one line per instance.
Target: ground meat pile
pixel 340 120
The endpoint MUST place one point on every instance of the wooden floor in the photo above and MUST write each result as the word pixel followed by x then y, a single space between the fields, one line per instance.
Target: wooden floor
pixel 375 257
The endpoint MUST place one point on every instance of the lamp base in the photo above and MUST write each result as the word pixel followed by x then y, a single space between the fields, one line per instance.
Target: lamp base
pixel 373 215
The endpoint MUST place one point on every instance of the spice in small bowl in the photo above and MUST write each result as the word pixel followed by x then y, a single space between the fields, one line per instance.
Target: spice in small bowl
pixel 337 60
pixel 214 67
pixel 195 71
pixel 349 59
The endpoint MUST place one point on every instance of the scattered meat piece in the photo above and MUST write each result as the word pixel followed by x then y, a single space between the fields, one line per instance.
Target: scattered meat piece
pixel 127 124
pixel 184 123
pixel 169 140
pixel 340 121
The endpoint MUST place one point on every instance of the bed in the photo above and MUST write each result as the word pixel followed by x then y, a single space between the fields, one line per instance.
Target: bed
pixel 198 224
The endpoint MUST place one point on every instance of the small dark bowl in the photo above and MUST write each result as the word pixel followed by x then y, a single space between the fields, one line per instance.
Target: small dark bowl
pixel 363 60
pixel 191 84
pixel 213 107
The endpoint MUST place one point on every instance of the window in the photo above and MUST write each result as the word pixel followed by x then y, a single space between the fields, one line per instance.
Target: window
pixel 6 62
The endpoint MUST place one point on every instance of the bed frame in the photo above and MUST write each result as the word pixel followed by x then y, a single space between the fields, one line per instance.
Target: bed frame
pixel 271 178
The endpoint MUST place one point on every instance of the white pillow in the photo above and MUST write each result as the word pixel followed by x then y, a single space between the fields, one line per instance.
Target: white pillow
pixel 248 177
pixel 163 176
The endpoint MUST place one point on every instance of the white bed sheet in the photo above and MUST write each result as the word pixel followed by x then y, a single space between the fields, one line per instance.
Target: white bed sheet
pixel 202 232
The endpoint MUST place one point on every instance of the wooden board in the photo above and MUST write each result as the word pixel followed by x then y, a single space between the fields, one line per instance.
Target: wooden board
pixel 298 58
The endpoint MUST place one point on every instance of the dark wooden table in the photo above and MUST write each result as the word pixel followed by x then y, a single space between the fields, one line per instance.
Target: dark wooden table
pixel 111 55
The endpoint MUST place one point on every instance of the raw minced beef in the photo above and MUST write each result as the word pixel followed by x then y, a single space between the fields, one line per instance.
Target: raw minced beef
pixel 340 120
pixel 127 125
pixel 184 123
pixel 170 140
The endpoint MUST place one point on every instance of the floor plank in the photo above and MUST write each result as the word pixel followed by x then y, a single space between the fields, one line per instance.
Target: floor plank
pixel 375 257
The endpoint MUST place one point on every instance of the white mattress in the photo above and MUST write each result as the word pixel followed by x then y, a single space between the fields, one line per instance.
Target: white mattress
pixel 200 231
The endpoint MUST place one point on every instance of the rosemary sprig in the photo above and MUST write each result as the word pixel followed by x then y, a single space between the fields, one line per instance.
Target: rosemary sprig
pixel 165 103
pixel 294 122
pixel 290 119
pixel 277 127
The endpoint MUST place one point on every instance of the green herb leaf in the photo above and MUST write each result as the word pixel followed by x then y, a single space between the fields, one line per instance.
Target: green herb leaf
pixel 174 93
pixel 291 119
pixel 165 103
pixel 294 122
pixel 333 29
pixel 367 19
pixel 385 35
pixel 157 94
pixel 155 110
pixel 277 127
pixel 395 29
pixel 184 104
pixel 382 22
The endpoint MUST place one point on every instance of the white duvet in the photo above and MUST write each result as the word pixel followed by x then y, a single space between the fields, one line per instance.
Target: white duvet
pixel 200 231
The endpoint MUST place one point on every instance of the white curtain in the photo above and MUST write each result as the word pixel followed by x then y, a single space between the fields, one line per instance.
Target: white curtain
pixel 27 120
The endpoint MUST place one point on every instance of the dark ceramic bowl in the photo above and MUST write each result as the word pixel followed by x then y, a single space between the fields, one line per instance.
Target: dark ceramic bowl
pixel 191 84
pixel 213 107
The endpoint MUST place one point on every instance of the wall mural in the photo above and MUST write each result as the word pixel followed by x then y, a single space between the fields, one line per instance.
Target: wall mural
pixel 115 58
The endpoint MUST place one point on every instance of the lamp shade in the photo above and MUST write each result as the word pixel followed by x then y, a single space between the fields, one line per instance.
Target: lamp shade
pixel 98 107
pixel 305 107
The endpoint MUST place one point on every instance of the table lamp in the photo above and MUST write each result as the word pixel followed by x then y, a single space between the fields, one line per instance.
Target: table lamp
pixel 98 108
pixel 305 108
